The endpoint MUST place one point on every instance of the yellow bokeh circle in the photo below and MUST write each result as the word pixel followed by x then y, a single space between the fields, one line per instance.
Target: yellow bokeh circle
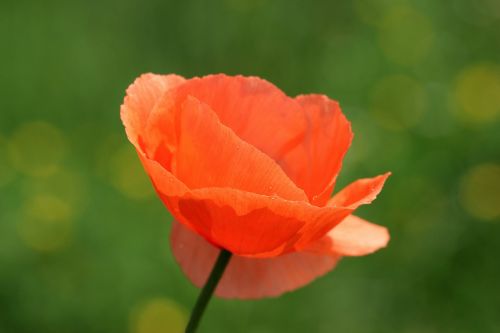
pixel 65 183
pixel 159 315
pixel 398 102
pixel 46 223
pixel 406 36
pixel 476 93
pixel 480 191
pixel 37 148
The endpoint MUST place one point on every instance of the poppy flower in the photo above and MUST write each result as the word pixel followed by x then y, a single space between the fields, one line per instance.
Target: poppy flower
pixel 245 168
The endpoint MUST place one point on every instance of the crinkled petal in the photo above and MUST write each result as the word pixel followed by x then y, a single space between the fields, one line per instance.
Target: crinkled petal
pixel 245 277
pixel 189 141
pixel 141 97
pixel 242 222
pixel 246 223
pixel 255 225
pixel 315 163
pixel 209 154
pixel 354 236
pixel 360 192
pixel 256 110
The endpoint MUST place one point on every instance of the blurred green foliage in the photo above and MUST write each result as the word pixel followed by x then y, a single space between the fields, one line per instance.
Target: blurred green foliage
pixel 84 241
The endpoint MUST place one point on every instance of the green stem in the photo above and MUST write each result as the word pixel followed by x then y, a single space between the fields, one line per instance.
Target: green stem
pixel 208 290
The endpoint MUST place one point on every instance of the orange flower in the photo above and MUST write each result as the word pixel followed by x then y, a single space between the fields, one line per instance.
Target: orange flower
pixel 243 167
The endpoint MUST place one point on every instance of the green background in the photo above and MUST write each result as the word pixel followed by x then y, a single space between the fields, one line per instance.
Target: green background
pixel 84 240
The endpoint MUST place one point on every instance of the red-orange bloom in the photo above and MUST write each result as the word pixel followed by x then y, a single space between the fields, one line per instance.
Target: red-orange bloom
pixel 243 167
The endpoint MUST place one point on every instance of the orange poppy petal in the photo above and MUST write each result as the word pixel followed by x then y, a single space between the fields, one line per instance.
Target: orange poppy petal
pixel 168 187
pixel 141 97
pixel 254 225
pixel 228 218
pixel 315 163
pixel 361 192
pixel 256 110
pixel 246 223
pixel 246 278
pixel 242 222
pixel 189 140
pixel 209 154
pixel 352 237
pixel 163 180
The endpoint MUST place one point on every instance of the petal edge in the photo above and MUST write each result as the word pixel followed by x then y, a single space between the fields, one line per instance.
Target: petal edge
pixel 354 236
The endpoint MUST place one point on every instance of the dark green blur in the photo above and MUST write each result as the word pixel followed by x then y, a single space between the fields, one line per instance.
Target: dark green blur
pixel 84 240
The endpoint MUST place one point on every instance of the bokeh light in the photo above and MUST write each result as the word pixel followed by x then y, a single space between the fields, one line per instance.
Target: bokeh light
pixel 67 184
pixel 46 224
pixel 480 191
pixel 398 102
pixel 37 148
pixel 477 93
pixel 405 35
pixel 159 315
